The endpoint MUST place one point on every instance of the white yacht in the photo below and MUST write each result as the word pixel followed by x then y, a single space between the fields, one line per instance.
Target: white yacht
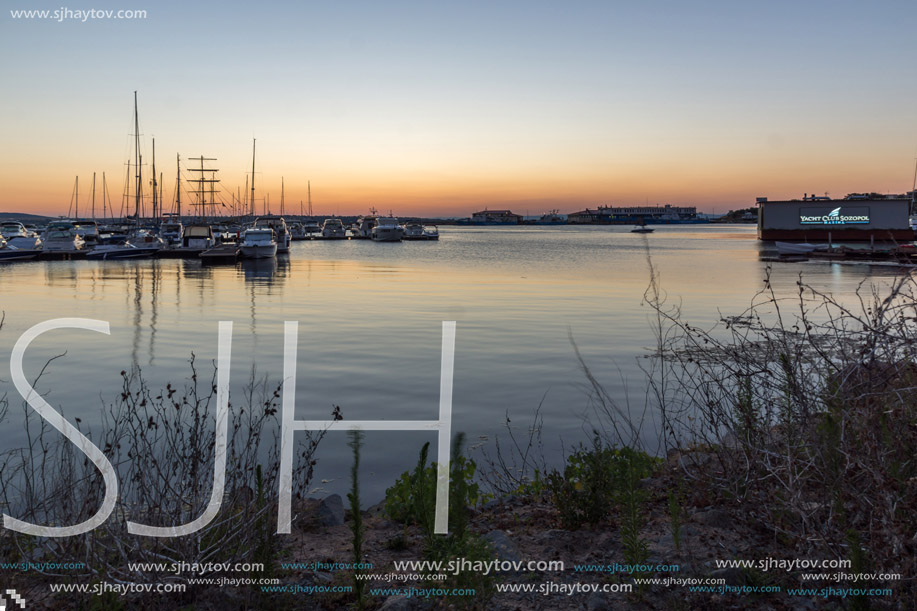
pixel 13 229
pixel 279 227
pixel 413 230
pixel 171 232
pixel 333 229
pixel 388 230
pixel 363 228
pixel 198 237
pixel 312 228
pixel 297 231
pixel 258 243
pixel 144 238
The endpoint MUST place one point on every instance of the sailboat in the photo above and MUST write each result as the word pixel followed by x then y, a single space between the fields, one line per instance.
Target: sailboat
pixel 257 242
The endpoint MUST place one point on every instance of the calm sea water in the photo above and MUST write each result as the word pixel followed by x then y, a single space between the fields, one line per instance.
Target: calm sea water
pixel 370 320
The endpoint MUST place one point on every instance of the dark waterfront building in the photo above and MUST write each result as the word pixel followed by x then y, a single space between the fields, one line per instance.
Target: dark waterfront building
pixel 627 215
pixel 857 217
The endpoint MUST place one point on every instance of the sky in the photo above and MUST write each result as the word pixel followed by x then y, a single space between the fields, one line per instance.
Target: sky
pixel 444 108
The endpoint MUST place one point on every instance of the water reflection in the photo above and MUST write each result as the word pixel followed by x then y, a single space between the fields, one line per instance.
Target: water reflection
pixel 265 272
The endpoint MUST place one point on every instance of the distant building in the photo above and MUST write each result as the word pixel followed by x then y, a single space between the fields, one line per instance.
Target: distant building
pixel 857 217
pixel 623 215
pixel 495 217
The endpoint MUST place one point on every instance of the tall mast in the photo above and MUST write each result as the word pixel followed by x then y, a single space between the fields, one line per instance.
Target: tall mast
pixel 154 179
pixel 253 177
pixel 93 196
pixel 178 185
pixel 281 196
pixel 137 160
pixel 76 188
pixel 104 189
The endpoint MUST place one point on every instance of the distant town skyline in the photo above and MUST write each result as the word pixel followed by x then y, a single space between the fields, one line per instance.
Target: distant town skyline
pixel 443 110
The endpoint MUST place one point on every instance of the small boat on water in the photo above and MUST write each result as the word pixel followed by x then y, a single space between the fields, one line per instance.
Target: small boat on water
pixel 333 229
pixel 642 228
pixel 431 232
pixel 388 230
pixel 258 243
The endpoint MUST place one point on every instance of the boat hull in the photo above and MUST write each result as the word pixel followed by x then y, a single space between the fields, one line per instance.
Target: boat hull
pixel 260 251
pixel 10 254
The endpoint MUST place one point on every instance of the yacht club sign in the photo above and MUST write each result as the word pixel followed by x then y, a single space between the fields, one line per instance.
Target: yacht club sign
pixel 853 216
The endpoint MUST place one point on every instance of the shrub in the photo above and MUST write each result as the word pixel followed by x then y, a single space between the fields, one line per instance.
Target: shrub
pixel 594 480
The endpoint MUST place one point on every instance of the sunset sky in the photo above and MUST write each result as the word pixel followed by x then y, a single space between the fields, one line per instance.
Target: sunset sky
pixel 435 108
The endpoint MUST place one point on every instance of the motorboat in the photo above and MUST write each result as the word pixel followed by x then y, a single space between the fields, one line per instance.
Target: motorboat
pixel 388 230
pixel 121 249
pixel 413 230
pixel 145 238
pixel 198 237
pixel 20 242
pixel 431 232
pixel 258 243
pixel 363 228
pixel 642 228
pixel 13 229
pixel 61 240
pixel 88 230
pixel 297 231
pixel 333 229
pixel 11 253
pixel 171 232
pixel 312 229
pixel 279 227
pixel 57 226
